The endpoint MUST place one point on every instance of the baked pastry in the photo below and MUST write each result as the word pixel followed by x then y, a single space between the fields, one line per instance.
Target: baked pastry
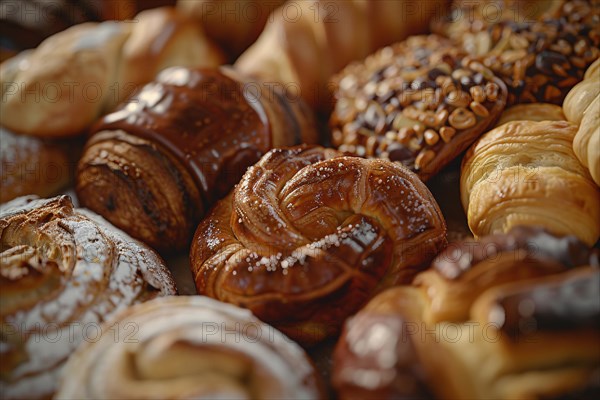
pixel 525 173
pixel 29 165
pixel 189 347
pixel 418 102
pixel 304 43
pixel 156 164
pixel 532 112
pixel 512 316
pixel 582 107
pixel 539 55
pixel 232 24
pixel 63 271
pixel 309 235
pixel 74 76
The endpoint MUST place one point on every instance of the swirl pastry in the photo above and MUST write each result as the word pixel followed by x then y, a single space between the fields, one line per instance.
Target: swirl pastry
pixel 525 173
pixel 157 163
pixel 418 102
pixel 582 107
pixel 189 347
pixel 309 235
pixel 63 271
pixel 513 316
pixel 539 59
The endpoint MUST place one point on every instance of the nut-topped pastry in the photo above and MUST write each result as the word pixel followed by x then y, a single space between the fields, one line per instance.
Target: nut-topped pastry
pixel 419 102
pixel 540 59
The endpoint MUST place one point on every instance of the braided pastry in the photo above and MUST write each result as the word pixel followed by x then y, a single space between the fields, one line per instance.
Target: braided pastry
pixel 157 163
pixel 190 347
pixel 419 102
pixel 63 271
pixel 513 316
pixel 308 236
pixel 525 173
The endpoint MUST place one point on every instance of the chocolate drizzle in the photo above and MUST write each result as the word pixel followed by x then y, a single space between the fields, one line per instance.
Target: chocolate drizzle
pixel 208 119
pixel 535 241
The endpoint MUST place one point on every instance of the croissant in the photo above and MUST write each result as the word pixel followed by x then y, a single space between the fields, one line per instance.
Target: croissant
pixel 532 112
pixel 63 271
pixel 74 76
pixel 539 49
pixel 309 235
pixel 582 107
pixel 525 173
pixel 511 316
pixel 420 102
pixel 190 347
pixel 156 164
pixel 304 43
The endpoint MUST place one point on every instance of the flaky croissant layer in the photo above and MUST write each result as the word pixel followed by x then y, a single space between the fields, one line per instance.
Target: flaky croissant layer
pixel 308 235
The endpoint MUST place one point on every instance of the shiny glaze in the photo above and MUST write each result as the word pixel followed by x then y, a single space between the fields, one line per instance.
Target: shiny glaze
pixel 206 118
pixel 308 236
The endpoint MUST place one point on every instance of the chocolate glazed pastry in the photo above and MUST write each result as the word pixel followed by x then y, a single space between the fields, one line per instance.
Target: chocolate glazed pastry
pixel 62 272
pixel 190 348
pixel 309 235
pixel 540 60
pixel 512 316
pixel 419 102
pixel 156 164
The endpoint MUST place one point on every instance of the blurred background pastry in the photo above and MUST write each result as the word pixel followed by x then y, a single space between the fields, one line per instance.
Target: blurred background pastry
pixel 308 236
pixel 190 347
pixel 63 271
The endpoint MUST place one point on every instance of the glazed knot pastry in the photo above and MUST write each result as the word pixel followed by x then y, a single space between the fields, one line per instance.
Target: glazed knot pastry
pixel 419 102
pixel 158 162
pixel 62 272
pixel 539 49
pixel 190 347
pixel 511 316
pixel 525 173
pixel 309 235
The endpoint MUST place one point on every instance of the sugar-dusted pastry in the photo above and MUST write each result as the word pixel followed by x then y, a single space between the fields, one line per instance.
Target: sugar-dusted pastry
pixel 419 102
pixel 189 347
pixel 62 272
pixel 155 165
pixel 309 235
pixel 526 173
pixel 512 316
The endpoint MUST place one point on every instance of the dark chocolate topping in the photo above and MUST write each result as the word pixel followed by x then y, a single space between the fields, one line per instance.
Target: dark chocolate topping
pixel 208 119
pixel 537 242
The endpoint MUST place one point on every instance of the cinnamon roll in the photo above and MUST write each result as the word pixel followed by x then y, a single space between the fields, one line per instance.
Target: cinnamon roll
pixel 62 272
pixel 155 165
pixel 309 235
pixel 189 347
pixel 512 316
pixel 526 173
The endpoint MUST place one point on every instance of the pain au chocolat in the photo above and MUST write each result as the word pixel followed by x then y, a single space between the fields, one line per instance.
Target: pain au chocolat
pixel 420 102
pixel 63 271
pixel 309 235
pixel 512 316
pixel 156 164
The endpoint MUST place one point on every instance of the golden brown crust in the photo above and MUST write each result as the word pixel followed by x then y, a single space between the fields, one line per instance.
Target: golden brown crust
pixel 63 272
pixel 525 173
pixel 532 112
pixel 30 165
pixel 74 76
pixel 524 329
pixel 190 347
pixel 155 165
pixel 308 236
